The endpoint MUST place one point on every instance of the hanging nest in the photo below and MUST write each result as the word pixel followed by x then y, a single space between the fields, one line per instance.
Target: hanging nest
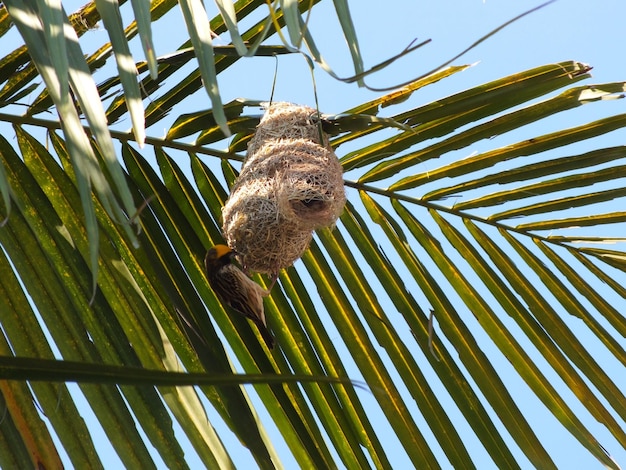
pixel 287 121
pixel 291 183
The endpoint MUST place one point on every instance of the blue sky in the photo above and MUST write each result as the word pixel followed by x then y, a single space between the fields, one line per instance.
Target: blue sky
pixel 563 30
pixel 588 32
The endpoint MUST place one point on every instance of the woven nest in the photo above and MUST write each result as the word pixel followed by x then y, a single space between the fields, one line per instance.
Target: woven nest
pixel 291 183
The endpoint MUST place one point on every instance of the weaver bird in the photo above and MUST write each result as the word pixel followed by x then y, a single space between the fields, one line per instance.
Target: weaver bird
pixel 236 290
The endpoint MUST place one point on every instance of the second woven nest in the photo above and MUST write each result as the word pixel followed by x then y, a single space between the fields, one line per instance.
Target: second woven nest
pixel 291 183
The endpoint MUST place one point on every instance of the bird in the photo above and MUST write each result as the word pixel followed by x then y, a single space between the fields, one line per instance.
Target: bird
pixel 236 290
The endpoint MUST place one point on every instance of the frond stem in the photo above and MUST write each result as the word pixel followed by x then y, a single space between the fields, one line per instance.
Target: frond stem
pixel 455 212
pixel 124 137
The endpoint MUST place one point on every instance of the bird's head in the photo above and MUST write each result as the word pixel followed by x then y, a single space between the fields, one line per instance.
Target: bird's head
pixel 218 255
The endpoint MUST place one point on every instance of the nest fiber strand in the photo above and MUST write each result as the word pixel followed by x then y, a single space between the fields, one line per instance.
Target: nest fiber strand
pixel 291 183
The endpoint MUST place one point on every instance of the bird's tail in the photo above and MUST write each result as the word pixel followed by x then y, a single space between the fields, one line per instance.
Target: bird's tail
pixel 265 332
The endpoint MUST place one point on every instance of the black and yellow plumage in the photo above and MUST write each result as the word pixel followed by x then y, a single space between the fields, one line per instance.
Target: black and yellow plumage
pixel 236 290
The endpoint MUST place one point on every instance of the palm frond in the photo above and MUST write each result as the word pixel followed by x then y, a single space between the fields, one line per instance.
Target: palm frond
pixel 457 284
